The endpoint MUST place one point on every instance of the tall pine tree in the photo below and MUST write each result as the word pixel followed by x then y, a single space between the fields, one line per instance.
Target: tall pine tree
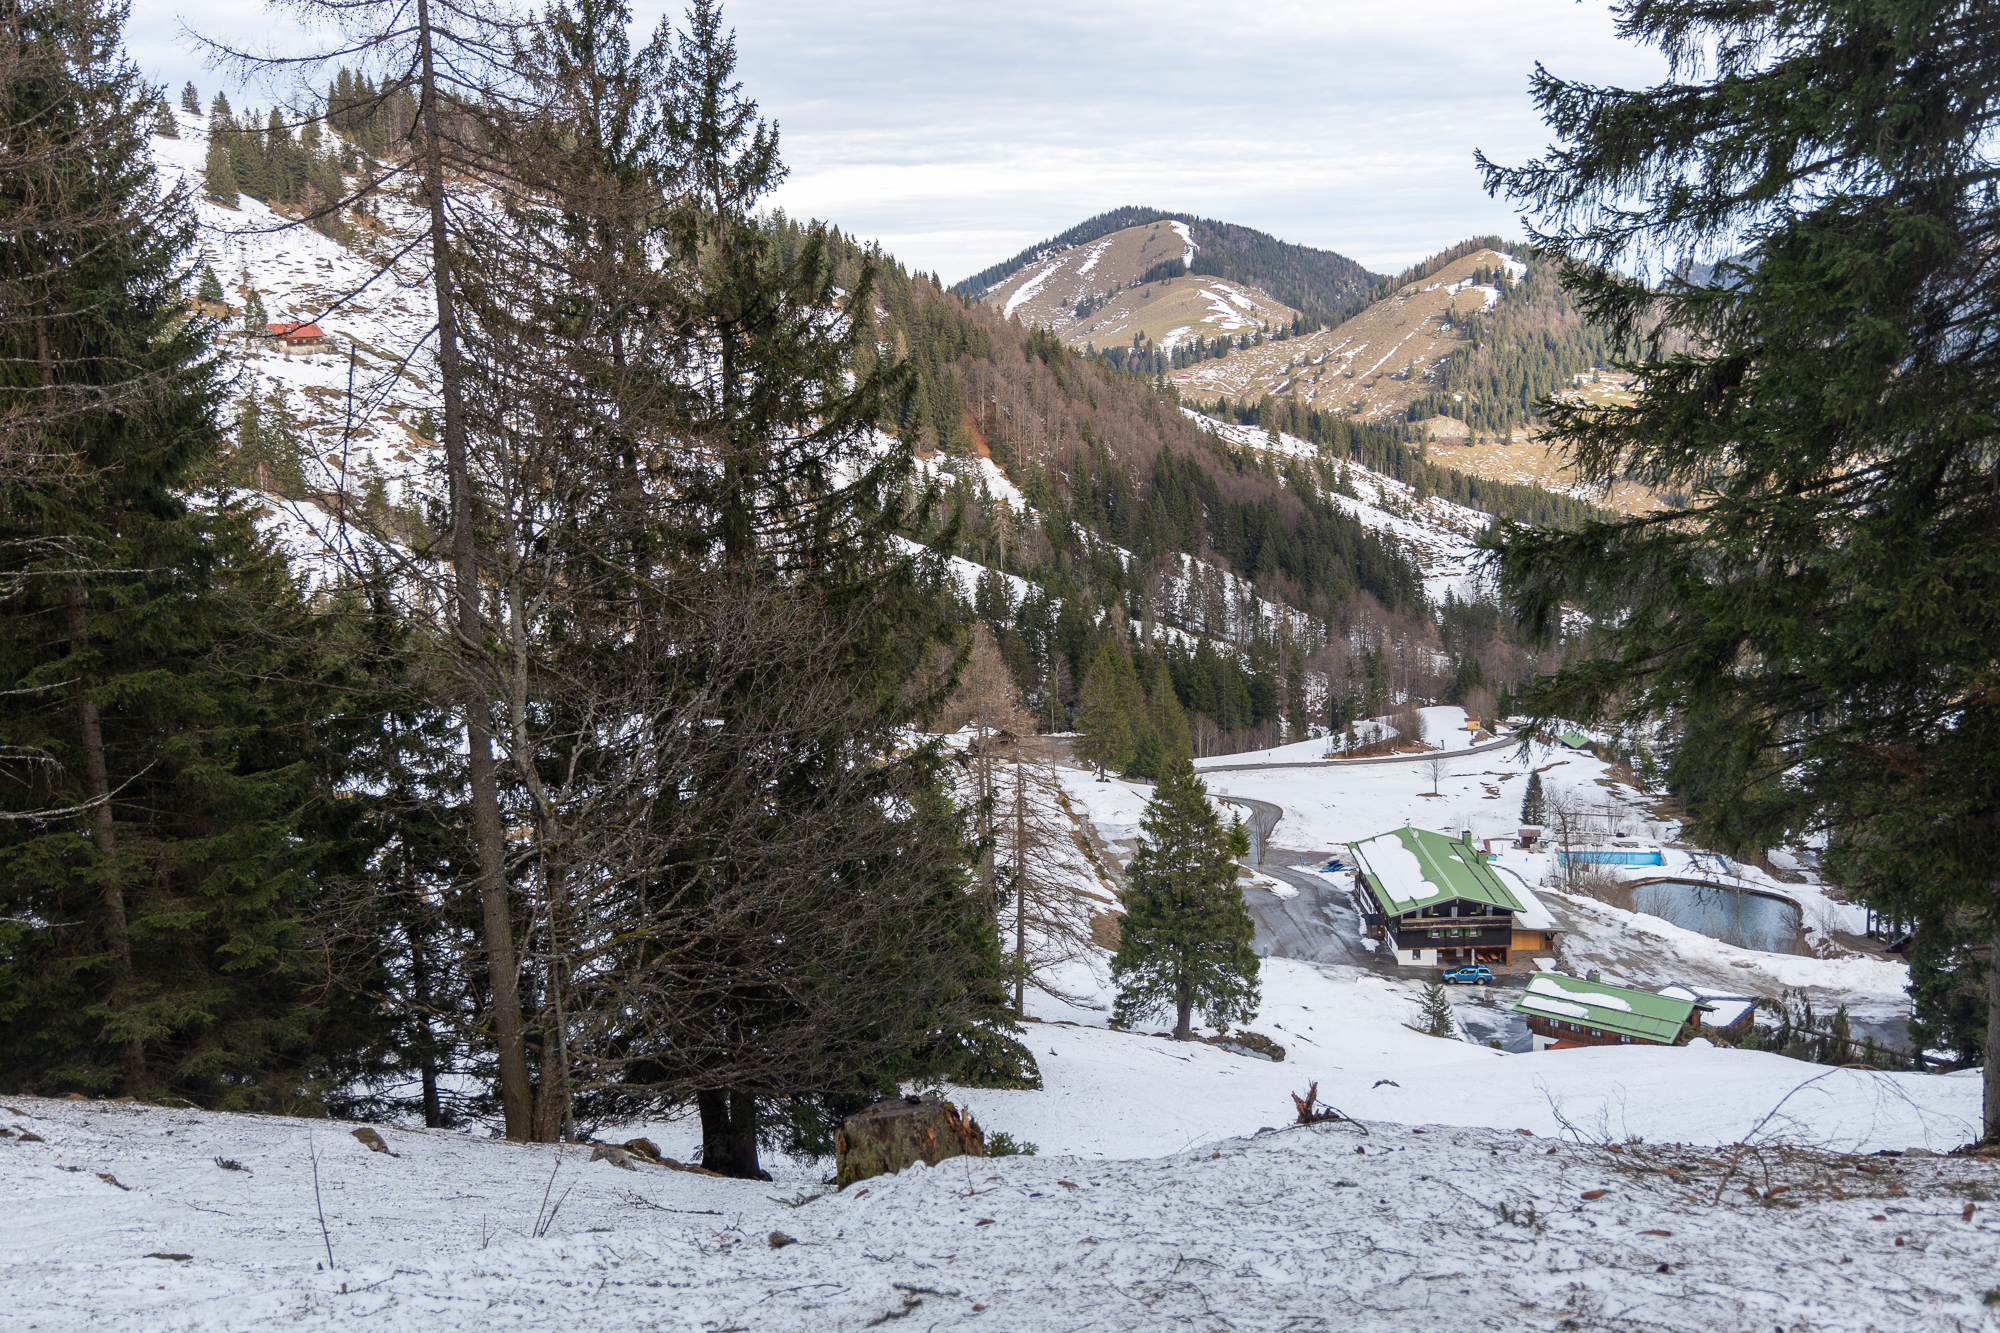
pixel 1184 942
pixel 1826 395
pixel 1111 712
pixel 166 793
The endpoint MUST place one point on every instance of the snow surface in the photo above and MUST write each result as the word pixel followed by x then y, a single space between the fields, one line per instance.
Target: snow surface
pixel 1441 537
pixel 1396 868
pixel 1027 289
pixel 1549 983
pixel 1187 239
pixel 1378 1224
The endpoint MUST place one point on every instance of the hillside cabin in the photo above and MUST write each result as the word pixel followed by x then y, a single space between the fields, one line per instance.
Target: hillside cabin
pixel 1574 740
pixel 1438 902
pixel 299 335
pixel 1564 1012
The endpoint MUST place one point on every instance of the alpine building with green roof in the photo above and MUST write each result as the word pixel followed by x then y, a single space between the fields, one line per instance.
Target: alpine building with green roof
pixel 1438 902
pixel 1563 1011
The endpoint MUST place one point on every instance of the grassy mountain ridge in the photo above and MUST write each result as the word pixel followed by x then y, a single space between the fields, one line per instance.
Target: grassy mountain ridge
pixel 1323 285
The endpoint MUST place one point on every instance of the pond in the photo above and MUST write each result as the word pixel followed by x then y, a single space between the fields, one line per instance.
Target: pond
pixel 1747 920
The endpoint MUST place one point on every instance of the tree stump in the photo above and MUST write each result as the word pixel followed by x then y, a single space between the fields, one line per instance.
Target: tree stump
pixel 888 1136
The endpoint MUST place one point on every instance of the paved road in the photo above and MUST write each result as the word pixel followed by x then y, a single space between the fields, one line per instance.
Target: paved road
pixel 1320 925
pixel 1504 742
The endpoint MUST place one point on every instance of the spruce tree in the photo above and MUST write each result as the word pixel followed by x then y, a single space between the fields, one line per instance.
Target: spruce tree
pixel 158 888
pixel 769 986
pixel 164 124
pixel 1184 942
pixel 1167 738
pixel 1533 808
pixel 1105 714
pixel 208 287
pixel 1825 398
pixel 190 100
pixel 1434 1016
pixel 217 173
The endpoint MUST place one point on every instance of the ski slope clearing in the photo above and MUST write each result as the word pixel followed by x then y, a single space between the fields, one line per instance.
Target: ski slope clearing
pixel 1368 1226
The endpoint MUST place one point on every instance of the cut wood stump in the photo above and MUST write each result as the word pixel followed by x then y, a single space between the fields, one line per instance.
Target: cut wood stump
pixel 889 1136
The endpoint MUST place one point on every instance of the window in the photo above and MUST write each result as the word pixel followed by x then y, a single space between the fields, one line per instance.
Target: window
pixel 1437 934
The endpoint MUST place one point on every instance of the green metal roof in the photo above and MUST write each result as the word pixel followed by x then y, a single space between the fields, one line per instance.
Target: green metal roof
pixel 1608 1008
pixel 1413 868
pixel 1576 740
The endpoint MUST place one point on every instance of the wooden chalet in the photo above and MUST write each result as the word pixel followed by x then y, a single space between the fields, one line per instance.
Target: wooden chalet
pixel 299 335
pixel 1438 902
pixel 1564 1012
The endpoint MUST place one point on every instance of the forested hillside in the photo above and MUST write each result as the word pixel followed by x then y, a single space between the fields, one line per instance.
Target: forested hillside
pixel 1530 344
pixel 1113 517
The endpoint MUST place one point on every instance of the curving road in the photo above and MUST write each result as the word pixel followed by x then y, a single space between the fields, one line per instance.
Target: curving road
pixel 1320 924
pixel 1500 743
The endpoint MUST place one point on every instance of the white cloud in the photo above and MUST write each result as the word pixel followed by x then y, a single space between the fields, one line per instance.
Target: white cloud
pixel 958 133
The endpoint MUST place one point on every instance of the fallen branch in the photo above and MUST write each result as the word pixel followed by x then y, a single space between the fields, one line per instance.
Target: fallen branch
pixel 1312 1111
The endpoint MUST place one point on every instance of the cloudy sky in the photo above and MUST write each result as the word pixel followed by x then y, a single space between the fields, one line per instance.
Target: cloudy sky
pixel 958 133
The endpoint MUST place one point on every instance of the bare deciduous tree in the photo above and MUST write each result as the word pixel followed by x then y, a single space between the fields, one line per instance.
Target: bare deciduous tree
pixel 1044 912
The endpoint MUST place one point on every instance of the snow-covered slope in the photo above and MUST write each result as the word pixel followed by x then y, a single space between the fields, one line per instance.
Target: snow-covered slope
pixel 361 395
pixel 1442 537
pixel 127 1217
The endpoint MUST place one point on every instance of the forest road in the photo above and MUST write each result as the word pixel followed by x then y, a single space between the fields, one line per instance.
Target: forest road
pixel 1317 925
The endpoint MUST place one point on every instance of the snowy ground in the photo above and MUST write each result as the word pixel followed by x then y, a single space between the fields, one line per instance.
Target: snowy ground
pixel 1170 1190
pixel 121 1217
pixel 1327 808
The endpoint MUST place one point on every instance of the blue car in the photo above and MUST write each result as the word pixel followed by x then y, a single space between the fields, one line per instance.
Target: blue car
pixel 1333 867
pixel 1470 974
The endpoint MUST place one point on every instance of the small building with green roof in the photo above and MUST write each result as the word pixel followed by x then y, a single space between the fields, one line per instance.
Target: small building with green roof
pixel 1437 902
pixel 1563 1011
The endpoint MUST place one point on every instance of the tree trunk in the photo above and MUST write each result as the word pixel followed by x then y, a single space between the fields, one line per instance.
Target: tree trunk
pixel 427 1070
pixel 1020 886
pixel 1183 1022
pixel 1992 1076
pixel 489 832
pixel 889 1136
pixel 97 774
pixel 729 1132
